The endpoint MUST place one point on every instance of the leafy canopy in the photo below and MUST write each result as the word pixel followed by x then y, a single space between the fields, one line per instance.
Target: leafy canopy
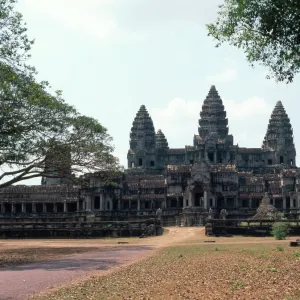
pixel 267 30
pixel 40 134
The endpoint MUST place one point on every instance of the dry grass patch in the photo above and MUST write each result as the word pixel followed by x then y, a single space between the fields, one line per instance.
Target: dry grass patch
pixel 254 271
pixel 18 256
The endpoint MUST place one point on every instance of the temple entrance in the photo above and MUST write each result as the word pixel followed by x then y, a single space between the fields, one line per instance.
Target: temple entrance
pixel 198 196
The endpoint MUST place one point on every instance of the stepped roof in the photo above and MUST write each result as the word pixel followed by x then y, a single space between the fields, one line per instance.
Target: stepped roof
pixel 213 116
pixel 142 134
pixel 279 131
pixel 161 141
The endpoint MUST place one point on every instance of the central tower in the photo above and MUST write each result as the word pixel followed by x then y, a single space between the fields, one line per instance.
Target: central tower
pixel 213 119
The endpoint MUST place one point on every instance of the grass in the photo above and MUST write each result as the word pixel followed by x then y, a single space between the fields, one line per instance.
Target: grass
pixel 237 271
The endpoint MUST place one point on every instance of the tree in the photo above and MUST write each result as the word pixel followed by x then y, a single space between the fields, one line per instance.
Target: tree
pixel 267 30
pixel 40 134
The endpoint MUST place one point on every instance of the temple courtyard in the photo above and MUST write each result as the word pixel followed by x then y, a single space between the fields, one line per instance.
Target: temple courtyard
pixel 181 264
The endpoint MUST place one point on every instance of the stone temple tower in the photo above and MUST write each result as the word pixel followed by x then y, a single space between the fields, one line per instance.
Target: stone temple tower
pixel 162 148
pixel 278 143
pixel 142 141
pixel 213 116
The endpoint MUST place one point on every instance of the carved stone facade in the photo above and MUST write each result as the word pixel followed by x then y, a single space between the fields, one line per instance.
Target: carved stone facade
pixel 212 175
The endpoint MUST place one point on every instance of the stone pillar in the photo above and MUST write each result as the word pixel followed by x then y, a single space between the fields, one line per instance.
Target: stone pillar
pixel 177 201
pixel 225 202
pixel 66 208
pixel 228 156
pixel 3 208
pixel 102 202
pixel 291 203
pixel 44 208
pixel 55 207
pixel 205 204
pixel 190 199
pixel 77 205
pixel 236 203
pixel 214 201
pixel 138 204
pixel 152 206
pixel 205 155
pixel 250 202
pixel 215 157
pixel 23 208
pixel 88 203
pixel 165 203
pixel 33 208
pixel 284 202
pixel 13 207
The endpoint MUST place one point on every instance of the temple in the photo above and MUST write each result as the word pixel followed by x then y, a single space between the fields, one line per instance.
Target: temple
pixel 186 183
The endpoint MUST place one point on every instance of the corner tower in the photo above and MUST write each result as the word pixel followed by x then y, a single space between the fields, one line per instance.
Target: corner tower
pixel 142 141
pixel 213 116
pixel 278 143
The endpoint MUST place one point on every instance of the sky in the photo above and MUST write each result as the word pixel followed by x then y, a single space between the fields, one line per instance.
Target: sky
pixel 109 57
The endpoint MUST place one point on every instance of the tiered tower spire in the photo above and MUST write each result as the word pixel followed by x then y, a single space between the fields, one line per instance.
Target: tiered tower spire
pixel 279 137
pixel 161 141
pixel 213 116
pixel 142 134
pixel 279 132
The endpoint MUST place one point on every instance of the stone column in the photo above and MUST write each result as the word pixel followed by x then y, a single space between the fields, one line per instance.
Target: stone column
pixel 101 202
pixel 152 204
pixel 190 199
pixel 228 156
pixel 77 205
pixel 291 203
pixel 225 202
pixel 44 208
pixel 23 208
pixel 236 202
pixel 214 201
pixel 284 202
pixel 250 202
pixel 33 208
pixel 13 207
pixel 138 204
pixel 87 203
pixel 3 208
pixel 177 200
pixel 215 157
pixel 55 207
pixel 205 204
pixel 66 208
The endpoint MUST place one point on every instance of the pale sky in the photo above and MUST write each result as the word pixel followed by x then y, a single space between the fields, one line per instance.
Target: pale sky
pixel 111 56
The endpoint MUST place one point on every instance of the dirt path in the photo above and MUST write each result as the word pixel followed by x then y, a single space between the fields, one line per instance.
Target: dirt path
pixel 23 281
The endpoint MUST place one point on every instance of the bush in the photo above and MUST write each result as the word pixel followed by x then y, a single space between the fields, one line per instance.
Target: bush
pixel 280 230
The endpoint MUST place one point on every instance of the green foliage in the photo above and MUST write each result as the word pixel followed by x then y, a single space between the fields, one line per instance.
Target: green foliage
pixel 280 230
pixel 279 248
pixel 237 284
pixel 296 254
pixel 267 31
pixel 40 134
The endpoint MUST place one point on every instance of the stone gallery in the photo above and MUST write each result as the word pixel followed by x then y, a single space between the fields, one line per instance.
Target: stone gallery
pixel 211 175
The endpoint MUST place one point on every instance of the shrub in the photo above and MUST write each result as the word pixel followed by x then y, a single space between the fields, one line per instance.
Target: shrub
pixel 279 248
pixel 280 230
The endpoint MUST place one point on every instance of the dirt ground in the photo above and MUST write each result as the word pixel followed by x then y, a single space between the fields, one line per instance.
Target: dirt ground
pixel 181 264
